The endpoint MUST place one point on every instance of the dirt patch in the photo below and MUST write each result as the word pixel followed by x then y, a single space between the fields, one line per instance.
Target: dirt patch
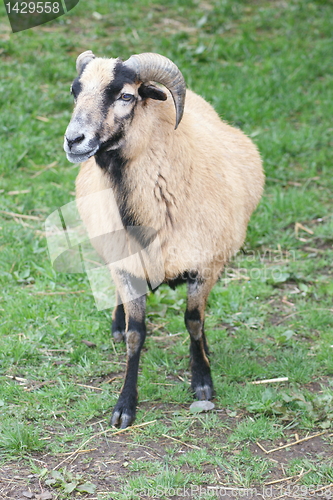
pixel 305 449
pixel 106 463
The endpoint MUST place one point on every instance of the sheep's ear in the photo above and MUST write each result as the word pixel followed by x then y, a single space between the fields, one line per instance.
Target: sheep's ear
pixel 83 59
pixel 152 92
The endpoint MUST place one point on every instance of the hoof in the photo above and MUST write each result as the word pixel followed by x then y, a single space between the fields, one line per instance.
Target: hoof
pixel 202 385
pixel 121 420
pixel 123 414
pixel 203 392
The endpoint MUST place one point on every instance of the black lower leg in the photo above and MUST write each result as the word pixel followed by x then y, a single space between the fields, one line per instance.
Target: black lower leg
pixel 124 412
pixel 201 383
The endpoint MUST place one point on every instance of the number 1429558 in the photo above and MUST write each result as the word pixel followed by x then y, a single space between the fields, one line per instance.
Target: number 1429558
pixel 33 7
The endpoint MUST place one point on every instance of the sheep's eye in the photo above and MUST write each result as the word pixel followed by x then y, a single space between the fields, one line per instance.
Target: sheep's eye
pixel 126 97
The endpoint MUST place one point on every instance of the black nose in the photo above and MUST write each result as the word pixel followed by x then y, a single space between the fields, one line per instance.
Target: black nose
pixel 77 139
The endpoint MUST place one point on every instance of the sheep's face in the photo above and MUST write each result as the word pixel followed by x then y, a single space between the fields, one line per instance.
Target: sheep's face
pixel 106 95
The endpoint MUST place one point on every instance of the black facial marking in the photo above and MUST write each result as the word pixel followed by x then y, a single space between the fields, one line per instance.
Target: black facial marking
pixel 76 87
pixel 121 75
pixel 125 118
pixel 106 157
pixel 112 161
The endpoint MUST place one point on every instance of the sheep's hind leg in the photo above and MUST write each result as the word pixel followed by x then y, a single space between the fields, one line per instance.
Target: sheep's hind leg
pixel 118 321
pixel 130 288
pixel 202 384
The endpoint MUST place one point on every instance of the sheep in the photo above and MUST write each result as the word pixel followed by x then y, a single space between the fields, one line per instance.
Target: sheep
pixel 161 162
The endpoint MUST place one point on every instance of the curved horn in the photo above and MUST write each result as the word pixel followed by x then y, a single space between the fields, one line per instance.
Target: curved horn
pixel 150 66
pixel 83 59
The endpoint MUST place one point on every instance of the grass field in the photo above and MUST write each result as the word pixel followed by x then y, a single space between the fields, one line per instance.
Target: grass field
pixel 267 68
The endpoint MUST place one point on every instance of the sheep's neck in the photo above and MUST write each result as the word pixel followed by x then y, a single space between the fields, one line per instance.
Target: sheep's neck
pixel 143 195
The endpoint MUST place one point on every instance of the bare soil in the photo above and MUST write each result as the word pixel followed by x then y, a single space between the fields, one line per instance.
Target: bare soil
pixel 105 463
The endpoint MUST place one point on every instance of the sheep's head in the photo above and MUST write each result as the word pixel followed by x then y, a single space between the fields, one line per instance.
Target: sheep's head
pixel 106 93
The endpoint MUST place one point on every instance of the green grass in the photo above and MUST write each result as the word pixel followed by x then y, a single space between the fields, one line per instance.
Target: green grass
pixel 267 68
pixel 19 438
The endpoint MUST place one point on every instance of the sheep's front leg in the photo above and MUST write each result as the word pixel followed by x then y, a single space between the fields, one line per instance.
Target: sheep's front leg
pixel 135 333
pixel 201 383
